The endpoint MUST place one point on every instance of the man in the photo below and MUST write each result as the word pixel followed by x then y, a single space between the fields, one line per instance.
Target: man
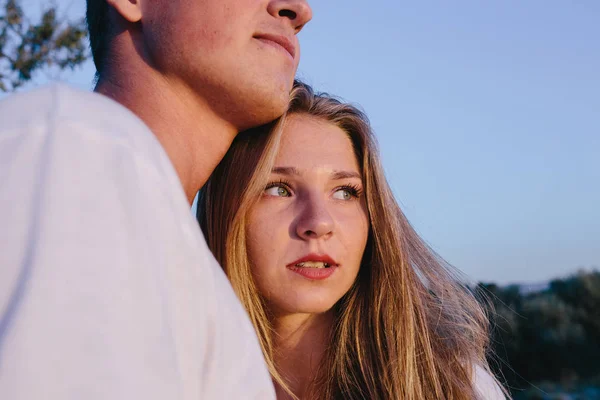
pixel 107 289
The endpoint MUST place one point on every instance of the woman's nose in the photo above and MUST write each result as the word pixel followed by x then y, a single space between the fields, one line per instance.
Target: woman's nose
pixel 315 220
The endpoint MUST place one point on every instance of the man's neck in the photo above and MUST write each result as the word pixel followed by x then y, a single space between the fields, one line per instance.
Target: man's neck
pixel 193 136
pixel 300 343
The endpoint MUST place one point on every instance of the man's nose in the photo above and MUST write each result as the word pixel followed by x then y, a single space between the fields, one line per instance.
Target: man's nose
pixel 298 12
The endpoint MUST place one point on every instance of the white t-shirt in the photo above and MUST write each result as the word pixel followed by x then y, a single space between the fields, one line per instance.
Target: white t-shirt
pixel 107 288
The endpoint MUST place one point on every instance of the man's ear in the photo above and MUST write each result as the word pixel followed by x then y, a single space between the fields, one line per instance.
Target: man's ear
pixel 131 10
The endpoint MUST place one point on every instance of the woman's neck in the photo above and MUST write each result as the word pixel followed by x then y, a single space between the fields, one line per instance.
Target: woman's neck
pixel 300 343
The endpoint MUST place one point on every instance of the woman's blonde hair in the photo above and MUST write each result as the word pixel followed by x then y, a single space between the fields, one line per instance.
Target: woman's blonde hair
pixel 408 328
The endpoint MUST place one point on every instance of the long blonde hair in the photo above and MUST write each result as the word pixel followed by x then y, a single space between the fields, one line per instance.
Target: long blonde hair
pixel 408 328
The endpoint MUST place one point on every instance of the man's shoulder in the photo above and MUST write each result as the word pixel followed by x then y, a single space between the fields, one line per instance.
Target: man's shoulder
pixel 59 106
pixel 56 99
pixel 79 134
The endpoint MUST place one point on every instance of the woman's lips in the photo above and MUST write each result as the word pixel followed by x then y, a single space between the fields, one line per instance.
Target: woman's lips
pixel 316 274
pixel 314 258
pixel 314 266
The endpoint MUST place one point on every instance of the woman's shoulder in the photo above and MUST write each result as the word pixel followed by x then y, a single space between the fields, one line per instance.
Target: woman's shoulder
pixel 486 385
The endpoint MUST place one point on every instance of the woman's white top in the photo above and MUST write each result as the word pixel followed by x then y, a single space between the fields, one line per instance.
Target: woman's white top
pixel 486 386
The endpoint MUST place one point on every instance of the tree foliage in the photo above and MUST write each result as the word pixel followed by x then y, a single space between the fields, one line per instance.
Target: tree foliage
pixel 549 338
pixel 27 48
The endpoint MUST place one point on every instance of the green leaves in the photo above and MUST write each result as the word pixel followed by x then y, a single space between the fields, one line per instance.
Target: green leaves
pixel 27 48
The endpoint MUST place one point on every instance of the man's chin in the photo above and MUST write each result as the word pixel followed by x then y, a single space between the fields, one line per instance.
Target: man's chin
pixel 266 111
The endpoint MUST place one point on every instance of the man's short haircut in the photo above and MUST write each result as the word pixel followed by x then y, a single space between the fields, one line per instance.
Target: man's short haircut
pixel 98 26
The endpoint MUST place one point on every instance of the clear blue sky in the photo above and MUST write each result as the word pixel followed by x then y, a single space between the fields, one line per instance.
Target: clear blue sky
pixel 488 116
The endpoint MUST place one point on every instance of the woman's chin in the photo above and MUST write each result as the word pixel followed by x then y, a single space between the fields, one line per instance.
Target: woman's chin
pixel 308 307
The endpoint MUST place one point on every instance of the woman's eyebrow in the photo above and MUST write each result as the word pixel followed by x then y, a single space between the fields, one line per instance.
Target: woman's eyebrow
pixel 285 171
pixel 345 175
pixel 336 175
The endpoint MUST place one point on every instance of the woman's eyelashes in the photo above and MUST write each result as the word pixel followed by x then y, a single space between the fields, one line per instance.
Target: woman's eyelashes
pixel 283 189
pixel 278 189
pixel 347 192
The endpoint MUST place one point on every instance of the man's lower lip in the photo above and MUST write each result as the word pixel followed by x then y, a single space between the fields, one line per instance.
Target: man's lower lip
pixel 313 273
pixel 276 45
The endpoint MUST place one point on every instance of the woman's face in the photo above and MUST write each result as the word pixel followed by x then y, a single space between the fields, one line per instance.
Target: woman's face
pixel 307 234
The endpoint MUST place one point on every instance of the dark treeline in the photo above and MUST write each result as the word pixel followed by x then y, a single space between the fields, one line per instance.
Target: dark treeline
pixel 547 341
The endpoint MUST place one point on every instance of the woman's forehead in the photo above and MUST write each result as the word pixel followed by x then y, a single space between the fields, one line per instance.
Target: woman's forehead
pixel 310 142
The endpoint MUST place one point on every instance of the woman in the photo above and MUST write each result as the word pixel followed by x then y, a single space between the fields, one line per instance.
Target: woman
pixel 348 302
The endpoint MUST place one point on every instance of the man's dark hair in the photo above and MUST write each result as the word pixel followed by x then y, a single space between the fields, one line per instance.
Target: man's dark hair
pixel 98 26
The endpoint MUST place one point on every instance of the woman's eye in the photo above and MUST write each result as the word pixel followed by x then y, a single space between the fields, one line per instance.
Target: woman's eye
pixel 342 194
pixel 278 191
